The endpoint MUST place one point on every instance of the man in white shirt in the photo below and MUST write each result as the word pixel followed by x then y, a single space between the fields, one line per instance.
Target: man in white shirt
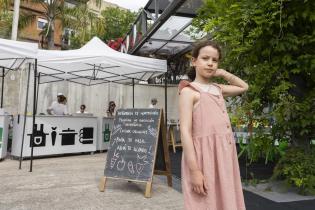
pixel 58 107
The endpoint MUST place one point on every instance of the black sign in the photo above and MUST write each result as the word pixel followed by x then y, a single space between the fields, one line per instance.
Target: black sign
pixel 133 144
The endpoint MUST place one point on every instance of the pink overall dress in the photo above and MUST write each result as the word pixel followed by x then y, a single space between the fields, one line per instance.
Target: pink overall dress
pixel 216 156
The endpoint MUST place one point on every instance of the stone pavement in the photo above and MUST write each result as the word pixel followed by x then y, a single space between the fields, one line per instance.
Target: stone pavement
pixel 72 183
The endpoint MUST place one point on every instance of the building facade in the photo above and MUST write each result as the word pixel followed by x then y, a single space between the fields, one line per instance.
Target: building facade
pixel 34 31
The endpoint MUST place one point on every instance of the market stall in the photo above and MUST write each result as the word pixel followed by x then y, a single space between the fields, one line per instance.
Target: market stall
pixel 13 55
pixel 95 63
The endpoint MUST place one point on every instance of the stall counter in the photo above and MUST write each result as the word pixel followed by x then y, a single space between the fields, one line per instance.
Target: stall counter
pixel 4 131
pixel 105 127
pixel 55 135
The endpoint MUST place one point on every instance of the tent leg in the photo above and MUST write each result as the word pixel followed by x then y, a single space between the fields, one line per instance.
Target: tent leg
pixel 165 89
pixel 25 112
pixel 34 112
pixel 37 90
pixel 2 87
pixel 133 93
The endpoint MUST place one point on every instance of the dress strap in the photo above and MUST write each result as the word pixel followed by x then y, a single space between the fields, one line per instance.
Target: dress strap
pixel 218 86
pixel 186 83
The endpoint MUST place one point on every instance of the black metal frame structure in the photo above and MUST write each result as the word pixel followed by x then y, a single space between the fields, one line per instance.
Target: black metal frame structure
pixel 161 29
pixel 95 75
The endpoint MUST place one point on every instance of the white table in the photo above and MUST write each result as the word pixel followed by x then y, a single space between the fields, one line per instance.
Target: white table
pixel 55 135
pixel 4 131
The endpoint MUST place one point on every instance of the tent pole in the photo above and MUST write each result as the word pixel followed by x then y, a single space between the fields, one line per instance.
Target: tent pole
pixel 165 89
pixel 2 87
pixel 37 91
pixel 25 112
pixel 133 93
pixel 34 111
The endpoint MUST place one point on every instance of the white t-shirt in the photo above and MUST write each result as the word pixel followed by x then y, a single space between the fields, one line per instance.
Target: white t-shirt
pixel 152 106
pixel 58 109
pixel 209 88
pixel 82 112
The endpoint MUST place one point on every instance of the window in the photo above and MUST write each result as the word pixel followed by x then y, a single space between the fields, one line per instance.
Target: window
pixel 41 23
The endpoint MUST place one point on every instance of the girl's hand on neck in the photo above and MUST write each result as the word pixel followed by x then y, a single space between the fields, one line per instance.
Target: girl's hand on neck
pixel 219 73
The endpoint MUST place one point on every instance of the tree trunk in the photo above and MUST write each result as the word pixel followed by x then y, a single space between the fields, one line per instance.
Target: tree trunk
pixel 51 40
pixel 15 20
pixel 51 32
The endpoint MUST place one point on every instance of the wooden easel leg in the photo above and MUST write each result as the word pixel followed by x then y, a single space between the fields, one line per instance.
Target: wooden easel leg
pixel 172 138
pixel 102 184
pixel 148 189
pixel 169 180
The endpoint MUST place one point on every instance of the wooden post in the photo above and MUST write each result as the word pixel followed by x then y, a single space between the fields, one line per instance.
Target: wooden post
pixel 102 184
pixel 166 151
pixel 172 137
pixel 148 189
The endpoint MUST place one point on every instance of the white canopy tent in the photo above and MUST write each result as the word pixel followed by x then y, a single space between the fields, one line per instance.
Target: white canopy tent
pixel 96 63
pixel 14 53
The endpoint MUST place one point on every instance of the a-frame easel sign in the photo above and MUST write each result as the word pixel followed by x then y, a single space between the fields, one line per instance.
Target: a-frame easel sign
pixel 138 148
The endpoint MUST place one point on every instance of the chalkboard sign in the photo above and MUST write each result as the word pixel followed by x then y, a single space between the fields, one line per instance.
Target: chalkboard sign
pixel 133 144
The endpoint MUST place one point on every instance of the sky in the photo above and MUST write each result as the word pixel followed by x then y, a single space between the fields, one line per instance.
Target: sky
pixel 130 4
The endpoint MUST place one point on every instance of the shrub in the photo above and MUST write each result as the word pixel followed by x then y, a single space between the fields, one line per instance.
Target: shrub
pixel 297 168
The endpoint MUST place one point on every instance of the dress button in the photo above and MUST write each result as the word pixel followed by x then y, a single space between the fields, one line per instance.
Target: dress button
pixel 223 111
pixel 228 126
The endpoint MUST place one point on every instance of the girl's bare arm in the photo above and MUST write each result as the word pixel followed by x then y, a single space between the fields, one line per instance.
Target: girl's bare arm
pixel 186 104
pixel 185 114
pixel 236 85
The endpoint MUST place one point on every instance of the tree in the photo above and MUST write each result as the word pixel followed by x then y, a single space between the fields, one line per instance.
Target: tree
pixel 113 24
pixel 270 43
pixel 6 17
pixel 117 22
pixel 83 22
pixel 53 9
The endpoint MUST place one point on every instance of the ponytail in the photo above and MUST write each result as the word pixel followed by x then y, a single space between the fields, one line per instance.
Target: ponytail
pixel 191 73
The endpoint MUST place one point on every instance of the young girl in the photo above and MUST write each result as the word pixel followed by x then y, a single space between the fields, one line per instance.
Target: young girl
pixel 210 171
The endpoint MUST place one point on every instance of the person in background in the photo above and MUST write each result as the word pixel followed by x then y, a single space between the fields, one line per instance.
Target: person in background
pixel 111 109
pixel 153 103
pixel 82 109
pixel 58 107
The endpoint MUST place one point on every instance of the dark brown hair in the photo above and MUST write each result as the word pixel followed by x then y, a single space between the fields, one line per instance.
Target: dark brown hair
pixel 195 53
pixel 110 105
pixel 61 98
pixel 82 106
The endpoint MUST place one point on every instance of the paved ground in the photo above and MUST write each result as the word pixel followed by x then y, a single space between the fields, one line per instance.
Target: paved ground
pixel 277 192
pixel 72 183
